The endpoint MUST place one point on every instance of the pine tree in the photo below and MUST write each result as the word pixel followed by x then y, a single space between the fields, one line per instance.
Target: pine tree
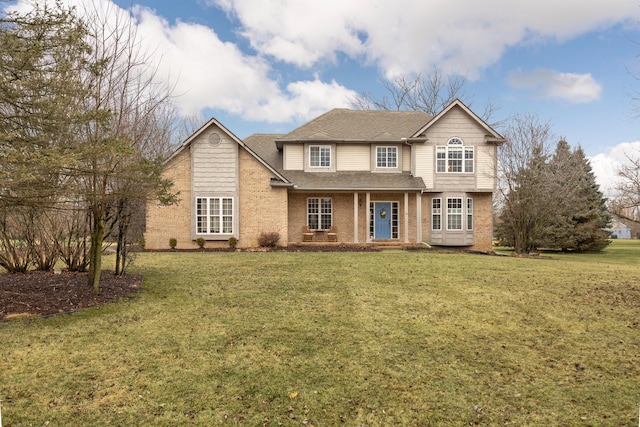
pixel 580 217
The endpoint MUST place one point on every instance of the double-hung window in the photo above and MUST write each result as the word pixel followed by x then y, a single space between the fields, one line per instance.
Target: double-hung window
pixel 454 157
pixel 320 156
pixel 436 214
pixel 214 215
pixel 469 214
pixel 319 213
pixel 387 157
pixel 454 213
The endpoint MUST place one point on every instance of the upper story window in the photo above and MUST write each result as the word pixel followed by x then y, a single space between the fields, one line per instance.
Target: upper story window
pixel 454 157
pixel 386 157
pixel 320 156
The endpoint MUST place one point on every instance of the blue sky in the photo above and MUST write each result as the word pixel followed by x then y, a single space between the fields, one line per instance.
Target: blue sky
pixel 270 65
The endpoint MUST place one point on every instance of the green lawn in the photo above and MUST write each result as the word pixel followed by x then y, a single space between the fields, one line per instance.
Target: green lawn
pixel 411 338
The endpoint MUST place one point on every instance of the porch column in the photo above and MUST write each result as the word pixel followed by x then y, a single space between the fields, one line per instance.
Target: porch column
pixel 367 203
pixel 406 217
pixel 419 218
pixel 355 217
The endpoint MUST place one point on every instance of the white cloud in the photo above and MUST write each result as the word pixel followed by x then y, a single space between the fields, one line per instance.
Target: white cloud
pixel 402 36
pixel 576 88
pixel 210 73
pixel 606 165
pixel 213 74
pixel 408 35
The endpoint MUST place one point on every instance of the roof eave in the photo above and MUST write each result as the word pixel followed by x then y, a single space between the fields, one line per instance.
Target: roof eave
pixel 304 188
pixel 281 142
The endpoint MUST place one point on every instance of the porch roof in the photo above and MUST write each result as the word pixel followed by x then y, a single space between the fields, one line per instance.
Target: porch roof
pixel 354 181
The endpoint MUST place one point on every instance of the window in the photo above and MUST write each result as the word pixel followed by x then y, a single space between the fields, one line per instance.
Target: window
pixel 436 214
pixel 214 215
pixel 454 214
pixel 387 157
pixel 454 157
pixel 469 214
pixel 320 156
pixel 319 213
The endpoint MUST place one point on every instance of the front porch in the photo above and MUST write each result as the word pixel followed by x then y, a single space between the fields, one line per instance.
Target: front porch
pixel 383 218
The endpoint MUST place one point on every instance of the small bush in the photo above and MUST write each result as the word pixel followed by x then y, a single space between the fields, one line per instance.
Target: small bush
pixel 233 242
pixel 173 242
pixel 200 241
pixel 268 239
pixel 142 242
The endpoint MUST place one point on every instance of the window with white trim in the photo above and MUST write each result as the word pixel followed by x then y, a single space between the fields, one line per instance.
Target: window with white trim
pixel 454 213
pixel 214 215
pixel 454 157
pixel 469 214
pixel 319 213
pixel 387 157
pixel 436 214
pixel 320 156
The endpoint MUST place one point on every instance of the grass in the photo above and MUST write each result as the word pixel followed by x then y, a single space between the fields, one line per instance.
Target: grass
pixel 411 338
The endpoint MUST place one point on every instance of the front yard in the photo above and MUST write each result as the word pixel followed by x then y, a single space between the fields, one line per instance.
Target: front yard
pixel 411 338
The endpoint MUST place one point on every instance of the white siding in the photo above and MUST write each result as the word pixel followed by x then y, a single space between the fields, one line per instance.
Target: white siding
pixel 353 157
pixel 406 158
pixel 485 164
pixel 293 157
pixel 425 163
pixel 215 167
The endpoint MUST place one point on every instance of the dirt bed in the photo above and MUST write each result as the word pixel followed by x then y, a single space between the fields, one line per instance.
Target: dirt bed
pixel 40 293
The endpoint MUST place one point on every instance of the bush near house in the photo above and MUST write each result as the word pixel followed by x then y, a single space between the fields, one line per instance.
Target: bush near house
pixel 268 239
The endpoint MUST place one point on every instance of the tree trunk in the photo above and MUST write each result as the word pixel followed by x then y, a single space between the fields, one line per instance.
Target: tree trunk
pixel 95 254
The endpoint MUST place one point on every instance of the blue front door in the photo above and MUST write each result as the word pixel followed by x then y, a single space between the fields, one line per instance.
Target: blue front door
pixel 382 220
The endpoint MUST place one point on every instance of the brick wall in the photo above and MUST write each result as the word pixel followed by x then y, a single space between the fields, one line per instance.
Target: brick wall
pixel 166 222
pixel 342 204
pixel 483 217
pixel 262 207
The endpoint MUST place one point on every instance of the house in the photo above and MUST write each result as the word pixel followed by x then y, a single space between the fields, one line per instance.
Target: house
pixel 368 176
pixel 619 230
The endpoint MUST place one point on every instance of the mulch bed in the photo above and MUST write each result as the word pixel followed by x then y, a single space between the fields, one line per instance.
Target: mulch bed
pixel 41 293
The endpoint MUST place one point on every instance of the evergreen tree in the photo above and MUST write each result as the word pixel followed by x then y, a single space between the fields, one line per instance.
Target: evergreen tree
pixel 579 215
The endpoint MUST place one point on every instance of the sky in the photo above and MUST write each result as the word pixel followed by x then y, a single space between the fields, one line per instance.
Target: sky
pixel 268 66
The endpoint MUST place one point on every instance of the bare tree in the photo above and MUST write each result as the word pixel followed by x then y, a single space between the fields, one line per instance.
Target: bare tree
pixel 429 91
pixel 627 204
pixel 121 150
pixel 523 180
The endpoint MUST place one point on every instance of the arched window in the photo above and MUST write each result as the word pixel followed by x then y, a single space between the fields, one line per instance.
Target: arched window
pixel 454 157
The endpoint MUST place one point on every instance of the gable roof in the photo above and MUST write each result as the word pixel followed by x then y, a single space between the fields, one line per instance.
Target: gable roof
pixel 341 124
pixel 492 135
pixel 215 122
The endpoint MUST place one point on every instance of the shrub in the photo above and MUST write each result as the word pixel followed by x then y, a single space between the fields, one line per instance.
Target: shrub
pixel 233 242
pixel 268 239
pixel 200 241
pixel 173 242
pixel 142 242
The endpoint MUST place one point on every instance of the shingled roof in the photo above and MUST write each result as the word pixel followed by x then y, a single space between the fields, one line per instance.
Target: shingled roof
pixel 342 124
pixel 264 146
